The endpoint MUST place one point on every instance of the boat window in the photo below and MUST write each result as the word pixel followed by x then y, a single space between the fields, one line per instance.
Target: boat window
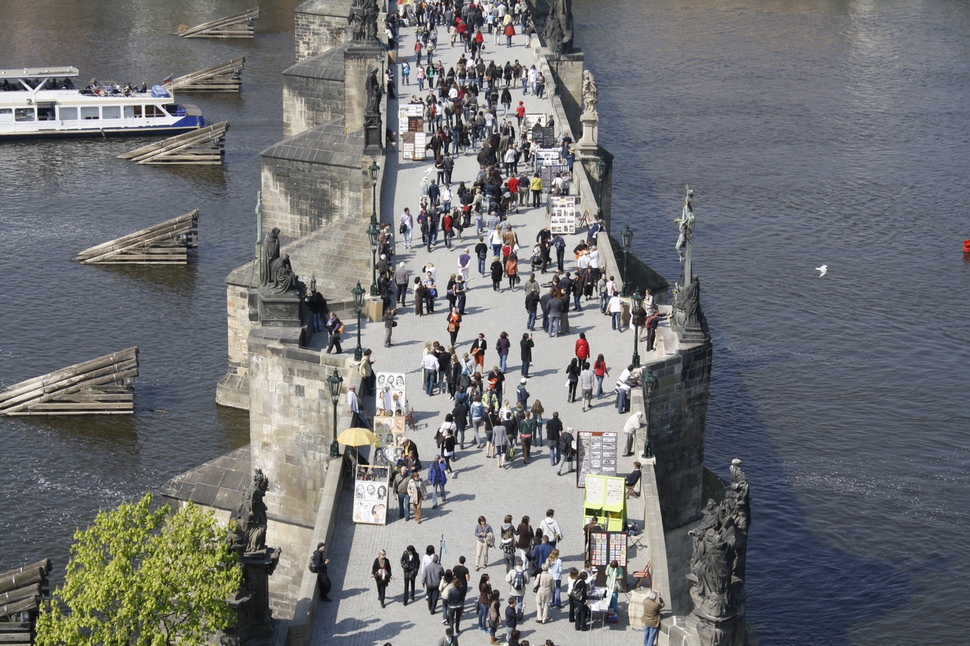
pixel 154 111
pixel 132 111
pixel 111 112
pixel 6 115
pixel 68 114
pixel 89 113
pixel 45 111
pixel 23 114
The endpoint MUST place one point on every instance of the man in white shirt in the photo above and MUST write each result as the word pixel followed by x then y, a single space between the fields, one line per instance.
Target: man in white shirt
pixel 550 528
pixel 353 402
pixel 430 366
pixel 624 385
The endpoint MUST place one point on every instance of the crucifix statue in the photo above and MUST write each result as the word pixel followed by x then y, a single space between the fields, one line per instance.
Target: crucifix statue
pixel 686 224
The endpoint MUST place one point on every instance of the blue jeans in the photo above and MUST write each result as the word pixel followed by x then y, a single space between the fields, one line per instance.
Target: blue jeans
pixel 554 323
pixel 576 304
pixel 556 598
pixel 554 455
pixel 616 320
pixel 599 386
pixel 404 505
pixel 531 321
pixel 483 617
pixel 434 495
pixel 318 321
pixel 503 360
pixel 525 368
pixel 519 606
pixel 429 379
pixel 650 635
pixel 622 400
pixel 603 301
pixel 481 266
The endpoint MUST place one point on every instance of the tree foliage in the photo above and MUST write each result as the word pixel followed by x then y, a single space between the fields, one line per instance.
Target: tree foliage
pixel 144 577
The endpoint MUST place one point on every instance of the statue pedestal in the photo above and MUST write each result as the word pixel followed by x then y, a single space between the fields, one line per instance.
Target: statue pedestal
pixel 360 59
pixel 587 144
pixel 255 623
pixel 279 310
pixel 373 134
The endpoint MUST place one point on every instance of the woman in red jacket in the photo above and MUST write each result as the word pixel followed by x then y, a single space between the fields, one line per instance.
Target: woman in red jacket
pixel 582 347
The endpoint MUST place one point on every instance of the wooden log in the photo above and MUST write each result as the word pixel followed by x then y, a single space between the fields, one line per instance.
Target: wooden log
pixel 223 77
pixel 228 27
pixel 25 576
pixel 207 135
pixel 19 637
pixel 17 607
pixel 21 593
pixel 101 372
pixel 169 237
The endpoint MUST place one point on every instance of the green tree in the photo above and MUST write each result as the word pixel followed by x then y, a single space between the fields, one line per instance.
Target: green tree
pixel 144 577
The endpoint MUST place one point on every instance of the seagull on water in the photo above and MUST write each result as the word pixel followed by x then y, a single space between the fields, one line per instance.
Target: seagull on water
pixel 822 269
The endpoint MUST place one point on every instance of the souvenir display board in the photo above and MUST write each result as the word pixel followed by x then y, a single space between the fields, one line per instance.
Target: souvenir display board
pixel 605 498
pixel 543 137
pixel 548 172
pixel 410 125
pixel 531 120
pixel 562 214
pixel 391 431
pixel 371 486
pixel 391 397
pixel 604 548
pixel 596 453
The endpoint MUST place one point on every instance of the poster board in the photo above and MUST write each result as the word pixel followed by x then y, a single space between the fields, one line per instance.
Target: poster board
pixel 420 141
pixel 391 430
pixel 548 172
pixel 543 137
pixel 410 123
pixel 605 498
pixel 603 548
pixel 531 119
pixel 391 392
pixel 562 214
pixel 371 485
pixel 596 454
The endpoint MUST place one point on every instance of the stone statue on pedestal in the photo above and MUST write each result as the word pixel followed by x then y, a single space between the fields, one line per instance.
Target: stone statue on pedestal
pixel 363 21
pixel 590 94
pixel 558 33
pixel 718 565
pixel 250 516
pixel 374 93
pixel 686 226
pixel 282 278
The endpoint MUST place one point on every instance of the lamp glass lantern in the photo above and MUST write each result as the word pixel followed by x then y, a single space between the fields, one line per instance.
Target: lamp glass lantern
pixel 334 382
pixel 358 293
pixel 627 238
pixel 648 383
pixel 374 234
pixel 637 306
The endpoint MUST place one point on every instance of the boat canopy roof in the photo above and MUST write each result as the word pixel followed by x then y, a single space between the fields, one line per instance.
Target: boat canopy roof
pixel 38 72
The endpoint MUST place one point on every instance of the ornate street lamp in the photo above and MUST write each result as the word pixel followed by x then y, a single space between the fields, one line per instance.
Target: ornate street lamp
pixel 374 234
pixel 373 231
pixel 601 167
pixel 648 382
pixel 627 238
pixel 358 293
pixel 637 305
pixel 333 382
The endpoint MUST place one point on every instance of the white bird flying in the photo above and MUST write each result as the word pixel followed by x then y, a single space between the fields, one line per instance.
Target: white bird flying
pixel 822 269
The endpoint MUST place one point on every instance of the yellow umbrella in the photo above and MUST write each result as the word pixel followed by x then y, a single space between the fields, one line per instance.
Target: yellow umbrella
pixel 358 436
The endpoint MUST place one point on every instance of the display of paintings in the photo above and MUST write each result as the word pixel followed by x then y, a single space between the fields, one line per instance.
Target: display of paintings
pixel 391 391
pixel 420 141
pixel 604 548
pixel 410 123
pixel 562 214
pixel 533 119
pixel 596 454
pixel 370 494
pixel 390 430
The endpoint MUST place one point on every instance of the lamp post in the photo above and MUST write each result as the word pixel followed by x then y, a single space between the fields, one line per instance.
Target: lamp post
pixel 333 382
pixel 373 231
pixel 627 238
pixel 648 382
pixel 637 306
pixel 358 293
pixel 601 167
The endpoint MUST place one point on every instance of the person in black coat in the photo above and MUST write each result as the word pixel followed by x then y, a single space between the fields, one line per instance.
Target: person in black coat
pixel 410 563
pixel 381 571
pixel 320 563
pixel 497 269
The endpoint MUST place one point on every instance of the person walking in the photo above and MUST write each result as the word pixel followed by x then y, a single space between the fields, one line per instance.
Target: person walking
pixel 502 347
pixel 318 564
pixel 438 480
pixel 653 603
pixel 543 588
pixel 478 414
pixel 582 347
pixel 417 492
pixel 567 449
pixel 454 324
pixel 401 279
pixel 450 638
pixel 601 371
pixel 615 309
pixel 410 563
pixel 389 324
pixel 494 616
pixel 572 379
pixel 431 579
pixel 555 570
pixel 550 528
pixel 508 542
pixel 496 268
pixel 517 578
pixel 500 439
pixel 525 346
pixel 381 571
pixel 580 597
pixel 481 607
pixel 399 484
pixel 553 432
pixel 526 430
pixel 484 539
pixel 535 185
pixel 455 600
pixel 587 380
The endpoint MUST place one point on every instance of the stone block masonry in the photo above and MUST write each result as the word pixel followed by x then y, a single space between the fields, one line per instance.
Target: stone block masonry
pixel 320 25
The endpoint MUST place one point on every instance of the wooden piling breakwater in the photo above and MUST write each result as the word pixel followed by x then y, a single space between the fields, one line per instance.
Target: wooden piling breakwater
pixel 101 386
pixel 224 77
pixel 236 26
pixel 202 146
pixel 21 592
pixel 167 243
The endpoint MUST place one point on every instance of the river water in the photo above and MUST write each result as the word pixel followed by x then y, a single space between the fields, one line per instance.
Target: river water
pixel 813 133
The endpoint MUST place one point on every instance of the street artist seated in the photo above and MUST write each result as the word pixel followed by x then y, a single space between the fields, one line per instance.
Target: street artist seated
pixel 632 479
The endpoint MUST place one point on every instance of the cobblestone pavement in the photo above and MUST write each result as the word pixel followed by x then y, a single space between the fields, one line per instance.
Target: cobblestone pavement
pixel 355 617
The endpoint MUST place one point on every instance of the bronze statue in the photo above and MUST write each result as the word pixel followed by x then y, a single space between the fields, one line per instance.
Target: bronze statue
pixel 374 92
pixel 685 224
pixel 363 20
pixel 558 33
pixel 283 278
pixel 269 251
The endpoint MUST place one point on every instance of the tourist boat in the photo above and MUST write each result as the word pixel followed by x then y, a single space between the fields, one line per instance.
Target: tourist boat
pixel 44 102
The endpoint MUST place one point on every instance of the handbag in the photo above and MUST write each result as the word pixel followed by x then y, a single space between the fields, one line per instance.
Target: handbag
pixel 403 228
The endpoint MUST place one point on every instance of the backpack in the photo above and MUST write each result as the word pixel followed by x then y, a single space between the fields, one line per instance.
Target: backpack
pixel 508 548
pixel 518 581
pixel 313 565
